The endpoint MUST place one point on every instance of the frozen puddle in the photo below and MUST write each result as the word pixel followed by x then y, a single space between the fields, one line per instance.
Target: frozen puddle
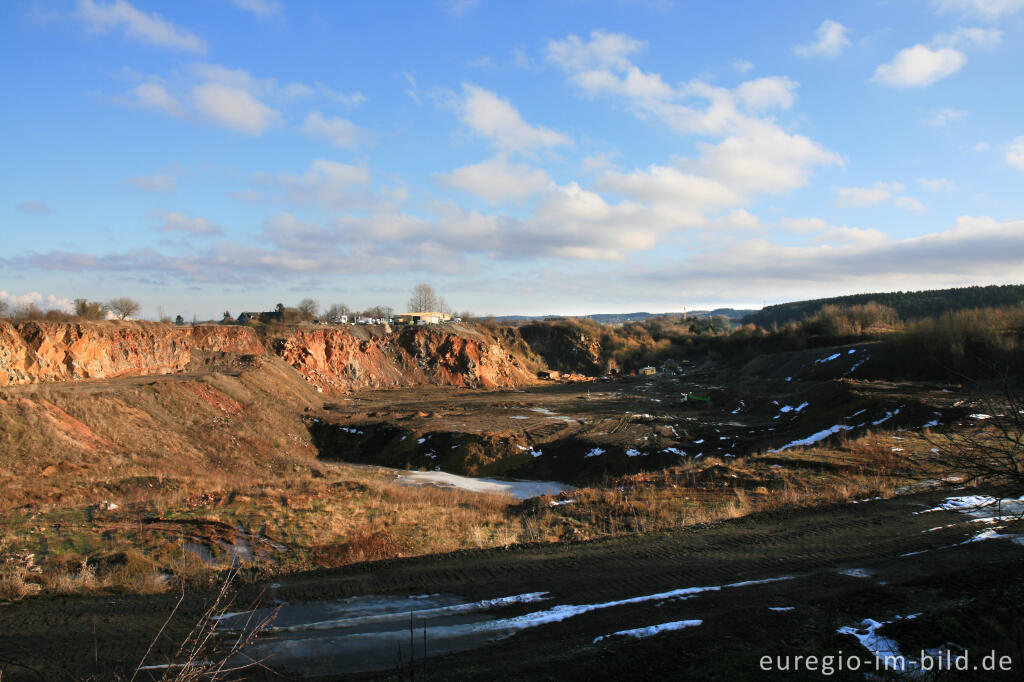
pixel 987 510
pixel 362 634
pixel 518 489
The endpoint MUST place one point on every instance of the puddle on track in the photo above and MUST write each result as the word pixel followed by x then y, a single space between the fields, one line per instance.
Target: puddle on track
pixel 518 489
pixel 362 634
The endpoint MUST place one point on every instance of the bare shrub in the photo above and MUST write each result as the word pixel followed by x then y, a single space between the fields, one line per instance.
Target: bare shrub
pixel 14 587
pixel 203 654
pixel 991 451
pixel 66 581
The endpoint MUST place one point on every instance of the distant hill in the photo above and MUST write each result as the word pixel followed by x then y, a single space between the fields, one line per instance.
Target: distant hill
pixel 908 304
pixel 623 318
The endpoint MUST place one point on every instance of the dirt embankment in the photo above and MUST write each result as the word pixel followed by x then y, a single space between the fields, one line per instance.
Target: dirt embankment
pixel 565 348
pixel 40 352
pixel 332 359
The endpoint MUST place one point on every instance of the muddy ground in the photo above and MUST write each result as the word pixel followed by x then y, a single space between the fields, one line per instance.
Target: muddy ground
pixel 816 571
pixel 584 432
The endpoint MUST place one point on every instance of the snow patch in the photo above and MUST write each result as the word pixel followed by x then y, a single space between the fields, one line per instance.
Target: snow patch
pixel 814 438
pixel 652 630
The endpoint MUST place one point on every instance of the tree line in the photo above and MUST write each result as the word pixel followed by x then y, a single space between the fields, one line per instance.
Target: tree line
pixel 907 305
pixel 120 308
pixel 423 299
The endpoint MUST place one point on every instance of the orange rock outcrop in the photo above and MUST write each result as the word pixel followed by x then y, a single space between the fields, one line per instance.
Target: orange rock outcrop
pixel 333 359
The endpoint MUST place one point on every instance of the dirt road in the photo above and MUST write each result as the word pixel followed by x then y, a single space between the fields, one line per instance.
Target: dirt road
pixel 772 585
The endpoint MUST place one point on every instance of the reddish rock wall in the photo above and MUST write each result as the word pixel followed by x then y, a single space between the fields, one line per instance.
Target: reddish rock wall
pixel 34 352
pixel 333 359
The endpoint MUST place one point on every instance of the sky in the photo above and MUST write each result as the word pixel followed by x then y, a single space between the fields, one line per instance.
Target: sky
pixel 549 157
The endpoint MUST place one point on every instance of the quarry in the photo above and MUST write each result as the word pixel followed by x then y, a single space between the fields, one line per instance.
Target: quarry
pixel 354 485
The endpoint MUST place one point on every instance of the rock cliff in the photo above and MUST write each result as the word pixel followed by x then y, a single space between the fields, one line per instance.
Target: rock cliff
pixel 36 352
pixel 330 358
pixel 336 359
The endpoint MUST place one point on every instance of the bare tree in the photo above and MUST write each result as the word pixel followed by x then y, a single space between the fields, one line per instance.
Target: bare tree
pixel 338 311
pixel 124 307
pixel 991 448
pixel 309 308
pixel 90 310
pixel 27 311
pixel 378 312
pixel 424 299
pixel 3 308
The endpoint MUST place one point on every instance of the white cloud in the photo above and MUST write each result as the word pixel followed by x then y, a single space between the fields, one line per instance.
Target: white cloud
pixel 867 196
pixel 944 117
pixel 496 181
pixel 338 131
pixel 740 218
pixel 821 231
pixel 831 40
pixel 981 146
pixel 742 66
pixel 603 51
pixel 1015 153
pixel 767 93
pixel 965 38
pixel 663 186
pixel 326 183
pixel 287 232
pixel 990 9
pixel 847 197
pixel 261 87
pixel 179 222
pixel 635 83
pixel 261 8
pixel 919 66
pixel 155 96
pixel 160 182
pixel 761 157
pixel 976 250
pixel 496 119
pixel 234 108
pixel 151 29
pixel 47 302
pixel 910 204
pixel 936 184
pixel 349 99
pixel 755 154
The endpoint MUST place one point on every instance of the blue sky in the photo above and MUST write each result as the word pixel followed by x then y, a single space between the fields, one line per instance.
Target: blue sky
pixel 521 157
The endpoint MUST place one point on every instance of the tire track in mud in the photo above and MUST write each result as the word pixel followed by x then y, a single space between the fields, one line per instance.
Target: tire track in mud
pixel 811 545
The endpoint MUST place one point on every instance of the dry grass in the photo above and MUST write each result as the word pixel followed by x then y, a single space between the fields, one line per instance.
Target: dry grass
pixel 14 586
pixel 231 453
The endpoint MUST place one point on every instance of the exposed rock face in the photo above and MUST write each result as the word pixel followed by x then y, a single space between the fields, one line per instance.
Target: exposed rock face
pixel 565 348
pixel 34 352
pixel 333 359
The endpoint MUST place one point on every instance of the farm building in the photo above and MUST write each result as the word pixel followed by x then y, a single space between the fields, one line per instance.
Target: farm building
pixel 422 318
